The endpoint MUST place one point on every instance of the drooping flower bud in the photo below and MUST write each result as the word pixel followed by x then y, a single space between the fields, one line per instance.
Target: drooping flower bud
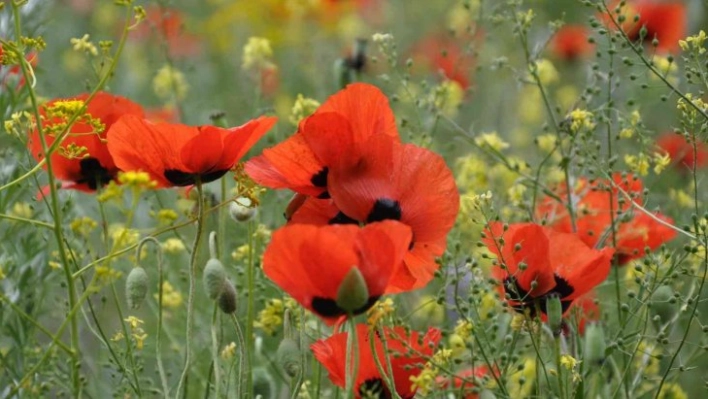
pixel 554 310
pixel 353 292
pixel 227 298
pixel 595 344
pixel 289 357
pixel 136 287
pixel 242 210
pixel 214 278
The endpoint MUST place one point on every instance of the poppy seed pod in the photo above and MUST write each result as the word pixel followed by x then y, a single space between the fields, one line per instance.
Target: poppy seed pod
pixel 289 357
pixel 227 298
pixel 595 344
pixel 352 293
pixel 136 287
pixel 554 310
pixel 661 305
pixel 242 210
pixel 214 278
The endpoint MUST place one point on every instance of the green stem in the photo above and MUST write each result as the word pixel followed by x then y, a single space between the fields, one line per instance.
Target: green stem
pixel 250 311
pixel 352 358
pixel 192 287
pixel 242 354
pixel 215 350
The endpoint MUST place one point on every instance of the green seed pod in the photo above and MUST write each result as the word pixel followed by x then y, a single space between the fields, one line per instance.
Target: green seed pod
pixel 136 287
pixel 214 278
pixel 661 304
pixel 554 310
pixel 595 344
pixel 352 293
pixel 289 357
pixel 227 298
pixel 263 384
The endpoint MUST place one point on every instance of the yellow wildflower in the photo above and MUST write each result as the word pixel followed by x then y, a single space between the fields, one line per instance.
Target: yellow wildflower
pixel 303 107
pixel 491 140
pixel 22 210
pixel 171 298
pixel 257 54
pixel 170 84
pixel 173 246
pixel 380 310
pixel 695 42
pixel 229 351
pixel 581 119
pixel 546 72
pixel 85 45
pixel 638 164
pixel 83 226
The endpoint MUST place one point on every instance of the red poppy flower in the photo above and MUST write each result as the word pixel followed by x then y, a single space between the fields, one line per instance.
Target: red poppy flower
pixel 665 21
pixel 681 151
pixel 570 43
pixel 407 353
pixel 594 202
pixel 311 262
pixel 400 182
pixel 536 262
pixel 93 167
pixel 180 155
pixel 445 55
pixel 293 164
pixel 168 23
pixel 464 382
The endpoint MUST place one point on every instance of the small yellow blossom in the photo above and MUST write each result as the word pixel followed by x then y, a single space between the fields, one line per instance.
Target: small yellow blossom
pixel 491 140
pixel 546 72
pixel 547 142
pixel 166 217
pixel 516 193
pixel 695 42
pixel 122 236
pixel 257 54
pixel 447 97
pixel 581 119
pixel 136 179
pixel 170 84
pixel 626 133
pixel 173 246
pixel 471 172
pixel 271 317
pixel 638 164
pixel 22 210
pixel 681 198
pixel 229 351
pixel 240 253
pixel 522 382
pixel 380 310
pixel 303 107
pixel 464 329
pixel 83 226
pixel 661 161
pixel 85 45
pixel 111 191
pixel 139 336
pixel 54 265
pixel 566 96
pixel 171 298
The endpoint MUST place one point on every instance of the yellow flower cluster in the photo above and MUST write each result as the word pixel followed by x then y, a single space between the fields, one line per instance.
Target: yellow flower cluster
pixel 170 84
pixel 271 317
pixel 257 54
pixel 173 246
pixel 19 123
pixel 695 42
pixel 85 45
pixel 136 180
pixel 424 382
pixel 491 140
pixel 581 119
pixel 83 226
pixel 171 297
pixel 229 351
pixel 137 332
pixel 303 107
pixel 380 310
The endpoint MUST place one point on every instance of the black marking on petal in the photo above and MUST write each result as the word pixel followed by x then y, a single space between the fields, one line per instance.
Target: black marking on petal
pixel 319 179
pixel 563 289
pixel 341 218
pixel 328 308
pixel 384 209
pixel 93 174
pixel 180 178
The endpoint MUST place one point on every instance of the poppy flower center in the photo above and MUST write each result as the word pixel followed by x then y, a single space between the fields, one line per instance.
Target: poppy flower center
pixel 180 178
pixel 328 308
pixel 341 218
pixel 374 388
pixel 522 300
pixel 93 174
pixel 384 209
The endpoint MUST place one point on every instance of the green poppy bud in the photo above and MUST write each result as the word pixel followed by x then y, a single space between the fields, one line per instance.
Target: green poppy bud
pixel 227 298
pixel 661 303
pixel 554 310
pixel 214 278
pixel 353 293
pixel 136 287
pixel 289 357
pixel 595 344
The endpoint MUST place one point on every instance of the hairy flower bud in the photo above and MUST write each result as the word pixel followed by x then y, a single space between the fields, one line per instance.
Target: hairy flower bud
pixel 353 292
pixel 289 357
pixel 227 298
pixel 136 287
pixel 595 344
pixel 242 210
pixel 554 310
pixel 214 278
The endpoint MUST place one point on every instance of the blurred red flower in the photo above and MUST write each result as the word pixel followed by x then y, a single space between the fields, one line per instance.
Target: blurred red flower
pixel 594 202
pixel 180 155
pixel 536 262
pixel 681 151
pixel 444 54
pixel 407 354
pixel 570 43
pixel 663 20
pixel 585 310
pixel 94 166
pixel 311 262
pixel 167 24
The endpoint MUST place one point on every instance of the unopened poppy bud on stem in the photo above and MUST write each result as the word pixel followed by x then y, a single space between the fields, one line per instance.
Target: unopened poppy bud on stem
pixel 353 293
pixel 242 209
pixel 214 278
pixel 136 287
pixel 227 298
pixel 289 356
pixel 554 310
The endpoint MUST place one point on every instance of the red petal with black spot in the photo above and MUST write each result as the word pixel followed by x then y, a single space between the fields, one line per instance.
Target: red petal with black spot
pixel 310 262
pixel 408 353
pixel 180 155
pixel 97 167
pixel 360 109
pixel 536 262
